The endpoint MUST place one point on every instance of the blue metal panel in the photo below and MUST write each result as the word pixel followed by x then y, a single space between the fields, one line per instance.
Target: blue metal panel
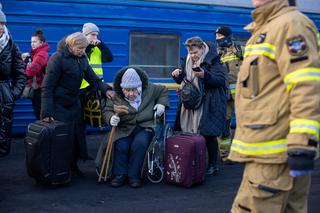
pixel 116 20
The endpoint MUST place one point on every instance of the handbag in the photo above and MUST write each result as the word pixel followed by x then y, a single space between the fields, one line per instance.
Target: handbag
pixel 190 96
pixel 93 105
pixel 28 90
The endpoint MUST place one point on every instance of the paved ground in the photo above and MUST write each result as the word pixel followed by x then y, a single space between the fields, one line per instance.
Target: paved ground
pixel 21 194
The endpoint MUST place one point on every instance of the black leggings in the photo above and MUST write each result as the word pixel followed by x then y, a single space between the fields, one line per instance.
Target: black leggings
pixel 36 103
pixel 212 146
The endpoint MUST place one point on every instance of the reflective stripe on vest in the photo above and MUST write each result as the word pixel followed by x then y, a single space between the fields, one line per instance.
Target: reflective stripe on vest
pixel 305 126
pixel 232 88
pixel 96 64
pixel 229 58
pixel 265 49
pixel 261 148
pixel 300 75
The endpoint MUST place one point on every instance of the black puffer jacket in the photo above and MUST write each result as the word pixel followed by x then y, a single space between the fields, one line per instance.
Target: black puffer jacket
pixel 12 77
pixel 60 88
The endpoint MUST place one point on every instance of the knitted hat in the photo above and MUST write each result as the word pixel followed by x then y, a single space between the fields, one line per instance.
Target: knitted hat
pixel 89 28
pixel 2 15
pixel 130 79
pixel 224 30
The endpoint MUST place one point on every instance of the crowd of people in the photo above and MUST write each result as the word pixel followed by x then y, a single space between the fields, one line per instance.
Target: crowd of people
pixel 279 64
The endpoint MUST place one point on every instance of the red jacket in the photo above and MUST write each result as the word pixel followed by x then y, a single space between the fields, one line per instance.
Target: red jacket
pixel 38 65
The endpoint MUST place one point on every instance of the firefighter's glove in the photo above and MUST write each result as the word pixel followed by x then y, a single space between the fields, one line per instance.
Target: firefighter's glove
pixel 159 109
pixel 114 120
pixel 301 161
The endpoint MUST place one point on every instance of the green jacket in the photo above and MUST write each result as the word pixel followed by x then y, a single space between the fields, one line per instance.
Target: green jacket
pixel 151 95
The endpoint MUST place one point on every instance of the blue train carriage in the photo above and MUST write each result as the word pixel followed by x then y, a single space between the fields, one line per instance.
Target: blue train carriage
pixel 146 33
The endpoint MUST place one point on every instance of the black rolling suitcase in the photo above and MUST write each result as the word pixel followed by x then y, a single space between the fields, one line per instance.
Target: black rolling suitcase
pixel 49 152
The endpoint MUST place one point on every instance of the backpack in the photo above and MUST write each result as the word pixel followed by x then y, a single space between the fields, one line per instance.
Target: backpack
pixel 191 97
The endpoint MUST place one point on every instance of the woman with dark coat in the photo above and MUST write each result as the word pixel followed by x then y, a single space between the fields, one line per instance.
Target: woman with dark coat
pixel 12 81
pixel 208 120
pixel 37 67
pixel 60 89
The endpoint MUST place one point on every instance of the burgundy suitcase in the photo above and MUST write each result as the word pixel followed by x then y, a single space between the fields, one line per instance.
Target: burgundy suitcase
pixel 185 159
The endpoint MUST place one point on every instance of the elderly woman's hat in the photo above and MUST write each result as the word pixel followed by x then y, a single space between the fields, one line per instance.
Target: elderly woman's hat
pixel 130 79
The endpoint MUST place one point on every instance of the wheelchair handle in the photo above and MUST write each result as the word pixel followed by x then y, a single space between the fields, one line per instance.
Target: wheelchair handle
pixel 155 118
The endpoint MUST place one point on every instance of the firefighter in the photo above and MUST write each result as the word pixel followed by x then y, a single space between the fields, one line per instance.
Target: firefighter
pixel 231 55
pixel 278 114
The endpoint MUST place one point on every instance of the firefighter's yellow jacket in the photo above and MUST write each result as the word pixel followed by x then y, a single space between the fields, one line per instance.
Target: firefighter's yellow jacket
pixel 232 57
pixel 278 88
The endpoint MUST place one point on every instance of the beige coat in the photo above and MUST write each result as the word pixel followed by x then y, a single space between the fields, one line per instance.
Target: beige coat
pixel 230 58
pixel 277 99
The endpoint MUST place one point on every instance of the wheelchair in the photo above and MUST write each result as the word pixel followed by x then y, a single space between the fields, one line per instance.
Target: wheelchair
pixel 153 166
pixel 156 150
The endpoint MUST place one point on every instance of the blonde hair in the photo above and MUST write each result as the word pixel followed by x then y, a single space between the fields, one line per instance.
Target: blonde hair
pixel 77 39
pixel 195 41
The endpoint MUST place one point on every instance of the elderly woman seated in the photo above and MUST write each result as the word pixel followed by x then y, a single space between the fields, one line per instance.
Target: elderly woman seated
pixel 133 130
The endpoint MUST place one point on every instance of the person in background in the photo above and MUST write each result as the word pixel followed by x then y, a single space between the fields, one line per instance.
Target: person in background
pixel 60 90
pixel 37 67
pixel 97 53
pixel 209 119
pixel 231 55
pixel 278 113
pixel 12 82
pixel 134 130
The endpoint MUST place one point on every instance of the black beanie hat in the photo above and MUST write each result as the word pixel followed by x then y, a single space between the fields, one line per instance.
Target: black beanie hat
pixel 224 30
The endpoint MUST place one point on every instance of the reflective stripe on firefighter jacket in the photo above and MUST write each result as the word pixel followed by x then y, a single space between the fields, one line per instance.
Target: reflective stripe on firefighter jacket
pixel 95 62
pixel 278 87
pixel 232 61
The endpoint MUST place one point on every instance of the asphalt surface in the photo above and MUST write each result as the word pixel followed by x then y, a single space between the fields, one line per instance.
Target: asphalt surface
pixel 19 193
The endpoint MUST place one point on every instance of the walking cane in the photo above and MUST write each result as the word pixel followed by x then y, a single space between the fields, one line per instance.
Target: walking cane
pixel 107 156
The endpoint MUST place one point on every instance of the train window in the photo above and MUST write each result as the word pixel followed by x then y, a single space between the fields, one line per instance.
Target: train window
pixel 157 54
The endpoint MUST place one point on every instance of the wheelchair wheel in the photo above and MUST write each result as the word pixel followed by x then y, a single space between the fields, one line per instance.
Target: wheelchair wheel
pixel 157 175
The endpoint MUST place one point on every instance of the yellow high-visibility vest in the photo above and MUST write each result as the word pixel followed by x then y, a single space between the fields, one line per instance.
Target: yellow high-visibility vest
pixel 95 62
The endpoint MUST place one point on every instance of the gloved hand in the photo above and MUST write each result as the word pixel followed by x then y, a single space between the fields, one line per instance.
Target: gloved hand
pixel 159 109
pixel 301 161
pixel 114 120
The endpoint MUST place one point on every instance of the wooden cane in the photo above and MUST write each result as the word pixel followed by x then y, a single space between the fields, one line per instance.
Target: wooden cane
pixel 109 152
pixel 107 156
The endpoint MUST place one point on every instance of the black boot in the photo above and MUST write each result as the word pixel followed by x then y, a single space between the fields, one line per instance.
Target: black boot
pixel 118 180
pixel 135 183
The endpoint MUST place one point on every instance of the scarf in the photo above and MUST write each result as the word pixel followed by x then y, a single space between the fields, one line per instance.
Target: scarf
pixel 136 102
pixel 4 39
pixel 190 119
